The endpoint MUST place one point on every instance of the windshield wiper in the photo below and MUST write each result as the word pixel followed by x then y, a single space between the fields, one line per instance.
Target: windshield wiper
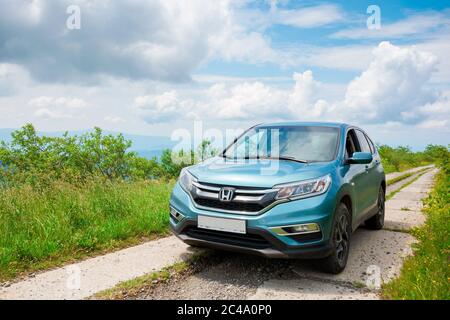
pixel 290 159
pixel 278 158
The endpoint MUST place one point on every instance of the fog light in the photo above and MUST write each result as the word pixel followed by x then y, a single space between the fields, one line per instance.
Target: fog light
pixel 177 216
pixel 305 227
pixel 296 229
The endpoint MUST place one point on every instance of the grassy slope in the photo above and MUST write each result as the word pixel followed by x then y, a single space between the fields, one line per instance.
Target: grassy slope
pixel 43 228
pixel 426 275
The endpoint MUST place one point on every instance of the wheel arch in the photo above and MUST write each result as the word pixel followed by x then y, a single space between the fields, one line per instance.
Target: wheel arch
pixel 383 185
pixel 347 200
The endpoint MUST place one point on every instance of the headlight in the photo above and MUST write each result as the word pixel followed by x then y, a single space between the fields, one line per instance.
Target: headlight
pixel 186 179
pixel 303 189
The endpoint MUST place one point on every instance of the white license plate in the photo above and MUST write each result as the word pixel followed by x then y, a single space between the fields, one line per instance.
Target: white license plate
pixel 222 224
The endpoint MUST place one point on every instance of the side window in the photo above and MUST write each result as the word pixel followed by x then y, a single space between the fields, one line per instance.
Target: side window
pixel 351 144
pixel 363 142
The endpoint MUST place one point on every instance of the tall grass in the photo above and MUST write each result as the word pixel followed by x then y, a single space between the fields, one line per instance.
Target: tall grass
pixel 64 220
pixel 426 275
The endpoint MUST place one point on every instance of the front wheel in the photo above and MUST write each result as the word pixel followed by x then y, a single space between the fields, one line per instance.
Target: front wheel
pixel 340 238
pixel 377 221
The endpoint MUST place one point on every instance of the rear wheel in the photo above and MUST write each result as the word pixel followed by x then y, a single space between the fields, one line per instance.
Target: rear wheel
pixel 340 238
pixel 377 221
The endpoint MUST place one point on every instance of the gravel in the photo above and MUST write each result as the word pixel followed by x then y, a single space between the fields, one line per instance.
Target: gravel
pixel 236 276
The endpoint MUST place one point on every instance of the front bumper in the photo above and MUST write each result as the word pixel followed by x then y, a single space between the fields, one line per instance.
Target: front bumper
pixel 277 248
pixel 260 239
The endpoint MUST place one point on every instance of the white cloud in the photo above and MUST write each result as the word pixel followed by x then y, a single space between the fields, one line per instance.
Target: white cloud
pixel 394 88
pixel 58 102
pixel 242 101
pixel 49 114
pixel 47 107
pixel 307 17
pixel 305 99
pixel 158 40
pixel 159 108
pixel 440 46
pixel 434 124
pixel 247 100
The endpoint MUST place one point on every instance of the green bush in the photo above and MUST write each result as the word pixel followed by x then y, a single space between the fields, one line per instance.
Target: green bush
pixel 30 158
pixel 402 158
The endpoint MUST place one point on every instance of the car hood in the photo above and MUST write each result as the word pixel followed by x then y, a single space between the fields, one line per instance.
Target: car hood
pixel 257 173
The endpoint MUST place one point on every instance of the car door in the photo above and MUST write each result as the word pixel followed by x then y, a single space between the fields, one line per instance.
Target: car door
pixel 377 171
pixel 356 176
pixel 369 182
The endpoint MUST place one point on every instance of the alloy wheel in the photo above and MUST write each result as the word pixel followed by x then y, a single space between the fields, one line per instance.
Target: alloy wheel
pixel 381 206
pixel 341 239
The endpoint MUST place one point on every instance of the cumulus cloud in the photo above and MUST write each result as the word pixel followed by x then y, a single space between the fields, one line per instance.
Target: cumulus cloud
pixel 47 107
pixel 394 88
pixel 135 39
pixel 305 99
pixel 159 108
pixel 243 101
pixel 158 40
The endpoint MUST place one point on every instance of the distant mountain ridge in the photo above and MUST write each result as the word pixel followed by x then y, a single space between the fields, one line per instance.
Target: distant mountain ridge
pixel 145 146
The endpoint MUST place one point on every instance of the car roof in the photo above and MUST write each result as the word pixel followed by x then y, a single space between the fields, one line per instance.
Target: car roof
pixel 301 123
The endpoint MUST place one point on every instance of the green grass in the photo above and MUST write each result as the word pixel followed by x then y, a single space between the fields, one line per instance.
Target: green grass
pixel 400 178
pixel 132 287
pixel 388 168
pixel 62 222
pixel 426 275
pixel 404 176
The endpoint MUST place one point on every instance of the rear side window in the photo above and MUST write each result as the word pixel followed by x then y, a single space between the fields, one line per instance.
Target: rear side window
pixel 364 145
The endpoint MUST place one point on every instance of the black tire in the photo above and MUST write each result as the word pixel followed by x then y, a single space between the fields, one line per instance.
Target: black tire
pixel 340 238
pixel 377 221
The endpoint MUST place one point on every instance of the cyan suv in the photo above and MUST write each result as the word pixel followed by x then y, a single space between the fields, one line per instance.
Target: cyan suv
pixel 284 190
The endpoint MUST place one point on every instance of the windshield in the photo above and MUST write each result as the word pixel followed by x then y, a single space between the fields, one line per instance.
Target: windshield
pixel 305 143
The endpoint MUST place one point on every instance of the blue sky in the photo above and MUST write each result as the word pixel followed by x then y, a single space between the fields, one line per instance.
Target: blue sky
pixel 163 67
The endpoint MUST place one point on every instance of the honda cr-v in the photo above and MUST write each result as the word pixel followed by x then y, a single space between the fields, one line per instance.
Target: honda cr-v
pixel 284 190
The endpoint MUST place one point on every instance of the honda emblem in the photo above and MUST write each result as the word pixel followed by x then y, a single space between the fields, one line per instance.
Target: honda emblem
pixel 226 194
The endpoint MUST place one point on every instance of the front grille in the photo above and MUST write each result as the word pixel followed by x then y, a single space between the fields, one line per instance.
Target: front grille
pixel 243 240
pixel 246 200
pixel 231 206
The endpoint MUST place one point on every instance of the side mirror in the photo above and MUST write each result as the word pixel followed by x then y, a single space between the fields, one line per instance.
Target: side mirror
pixel 360 158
